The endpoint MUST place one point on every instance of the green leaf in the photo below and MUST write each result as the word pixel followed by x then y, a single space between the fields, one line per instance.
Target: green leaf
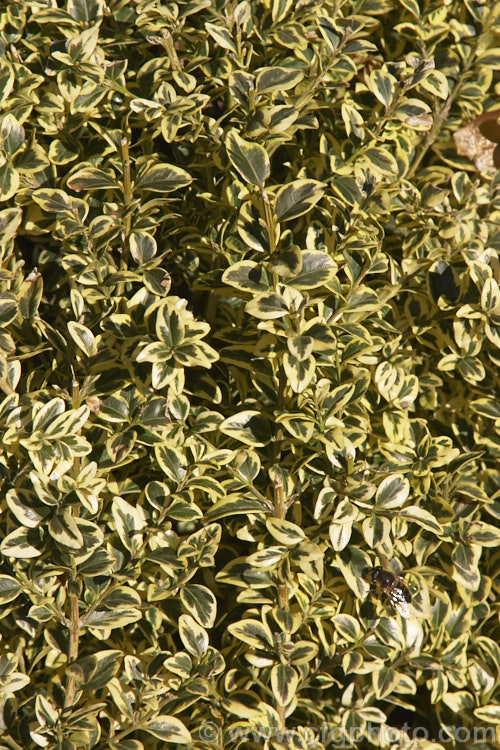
pixel 267 306
pixel 340 535
pixel 83 337
pixel 222 37
pixel 284 683
pixel 435 82
pixel 168 729
pixel 382 160
pixel 297 198
pixel 300 425
pixel 194 637
pixel 489 713
pixel 329 33
pixel 392 491
pixel 345 511
pixel 22 543
pixel 247 464
pixel 247 275
pixel 483 534
pixel 299 372
pixel 172 461
pixel 7 78
pixel 91 178
pixel 94 671
pixel 412 6
pixel 129 521
pixel 252 632
pixel 348 627
pixel 67 422
pixel 421 517
pixel 249 159
pixel 48 412
pixel 100 619
pixel 45 710
pixel 376 530
pixel 163 178
pixel 170 326
pixel 86 11
pixel 287 262
pixel 8 308
pixel 61 153
pixel 9 589
pixel 318 269
pixel 12 682
pixel 238 505
pixel 277 79
pixel 303 652
pixel 490 297
pixel 353 121
pixel 249 427
pixel 363 300
pixel 200 603
pixel 143 247
pixel 64 530
pixel 490 58
pixel 10 219
pixel 285 532
pixel 31 160
pixel 459 701
pixel 414 112
pixel 9 181
pixel 352 563
pixel 252 229
pixel 347 188
pixel 268 557
pixel 57 201
pixel 465 562
pixel 385 681
pixel 382 84
pixel 12 135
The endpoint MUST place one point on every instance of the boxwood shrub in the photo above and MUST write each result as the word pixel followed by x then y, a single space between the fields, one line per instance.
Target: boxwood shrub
pixel 249 350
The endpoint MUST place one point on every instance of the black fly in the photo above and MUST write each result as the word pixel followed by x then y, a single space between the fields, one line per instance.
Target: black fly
pixel 393 587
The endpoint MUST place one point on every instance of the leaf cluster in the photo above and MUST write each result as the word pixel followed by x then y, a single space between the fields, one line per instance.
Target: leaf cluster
pixel 249 345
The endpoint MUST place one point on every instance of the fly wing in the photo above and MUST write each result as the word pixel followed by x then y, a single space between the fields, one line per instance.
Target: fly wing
pixel 398 600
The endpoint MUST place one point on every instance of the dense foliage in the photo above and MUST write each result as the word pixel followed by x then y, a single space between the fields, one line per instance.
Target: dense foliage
pixel 250 336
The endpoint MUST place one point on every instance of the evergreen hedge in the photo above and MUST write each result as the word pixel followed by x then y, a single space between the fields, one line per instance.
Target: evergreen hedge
pixel 249 349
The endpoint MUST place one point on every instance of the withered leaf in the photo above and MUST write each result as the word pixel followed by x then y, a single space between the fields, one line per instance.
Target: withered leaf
pixel 479 140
